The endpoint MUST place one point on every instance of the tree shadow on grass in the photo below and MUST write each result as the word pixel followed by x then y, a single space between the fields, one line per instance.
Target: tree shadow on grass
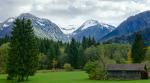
pixel 2 80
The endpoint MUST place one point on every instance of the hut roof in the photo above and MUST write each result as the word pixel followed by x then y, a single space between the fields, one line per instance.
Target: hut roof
pixel 126 67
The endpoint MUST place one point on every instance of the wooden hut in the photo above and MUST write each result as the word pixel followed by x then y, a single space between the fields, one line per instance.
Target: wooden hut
pixel 127 71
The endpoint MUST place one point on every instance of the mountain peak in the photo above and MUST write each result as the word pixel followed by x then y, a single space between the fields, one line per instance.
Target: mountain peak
pixel 92 28
pixel 129 26
pixel 11 19
pixel 92 22
pixel 89 23
pixel 27 16
pixel 144 13
pixel 43 28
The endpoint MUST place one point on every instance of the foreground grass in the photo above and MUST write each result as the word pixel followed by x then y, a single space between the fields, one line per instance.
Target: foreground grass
pixel 66 77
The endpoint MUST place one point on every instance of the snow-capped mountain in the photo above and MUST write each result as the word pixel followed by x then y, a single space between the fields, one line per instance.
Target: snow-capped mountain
pixel 131 25
pixel 6 27
pixel 89 24
pixel 92 28
pixel 43 28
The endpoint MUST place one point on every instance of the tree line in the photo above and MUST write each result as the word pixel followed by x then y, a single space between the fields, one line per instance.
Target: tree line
pixel 23 53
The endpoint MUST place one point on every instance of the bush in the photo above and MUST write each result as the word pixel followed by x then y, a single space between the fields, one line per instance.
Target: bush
pixel 95 70
pixel 68 67
pixel 3 57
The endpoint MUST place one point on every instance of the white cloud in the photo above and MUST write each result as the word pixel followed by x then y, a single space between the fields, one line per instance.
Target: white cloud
pixel 75 12
pixel 26 8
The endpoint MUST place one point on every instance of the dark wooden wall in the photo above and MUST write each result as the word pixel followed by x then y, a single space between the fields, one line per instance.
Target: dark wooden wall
pixel 127 75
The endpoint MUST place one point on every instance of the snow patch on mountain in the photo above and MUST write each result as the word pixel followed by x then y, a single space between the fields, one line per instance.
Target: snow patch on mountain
pixel 111 28
pixel 43 28
pixel 11 20
pixel 92 28
pixel 89 23
pixel 40 23
pixel 5 25
pixel 105 25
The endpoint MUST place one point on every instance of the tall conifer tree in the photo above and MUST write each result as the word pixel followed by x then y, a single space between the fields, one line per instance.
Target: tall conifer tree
pixel 72 54
pixel 138 52
pixel 22 59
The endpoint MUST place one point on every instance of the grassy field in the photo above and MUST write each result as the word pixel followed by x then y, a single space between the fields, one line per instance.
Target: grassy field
pixel 66 77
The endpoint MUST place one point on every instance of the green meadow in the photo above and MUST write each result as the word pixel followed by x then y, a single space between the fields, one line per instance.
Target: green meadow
pixel 67 77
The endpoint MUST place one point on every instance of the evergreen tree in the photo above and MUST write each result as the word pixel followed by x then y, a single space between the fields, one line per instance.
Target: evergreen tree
pixel 51 49
pixel 4 40
pixel 81 58
pixel 51 55
pixel 89 41
pixel 93 41
pixel 137 51
pixel 72 54
pixel 22 59
pixel 84 42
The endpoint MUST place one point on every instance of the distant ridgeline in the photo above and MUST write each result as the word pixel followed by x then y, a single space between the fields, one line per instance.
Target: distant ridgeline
pixel 101 32
pixel 124 33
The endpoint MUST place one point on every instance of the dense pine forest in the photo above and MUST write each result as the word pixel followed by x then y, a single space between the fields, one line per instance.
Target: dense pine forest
pixel 23 54
pixel 74 52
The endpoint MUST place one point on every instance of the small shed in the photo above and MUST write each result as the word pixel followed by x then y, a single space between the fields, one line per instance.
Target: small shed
pixel 127 71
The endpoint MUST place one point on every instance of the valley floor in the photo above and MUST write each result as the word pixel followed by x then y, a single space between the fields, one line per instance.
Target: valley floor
pixel 66 77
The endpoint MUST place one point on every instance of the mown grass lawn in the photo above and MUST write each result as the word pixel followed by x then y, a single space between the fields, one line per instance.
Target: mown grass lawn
pixel 67 77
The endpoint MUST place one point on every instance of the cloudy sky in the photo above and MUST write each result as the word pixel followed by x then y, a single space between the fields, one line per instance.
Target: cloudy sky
pixel 74 12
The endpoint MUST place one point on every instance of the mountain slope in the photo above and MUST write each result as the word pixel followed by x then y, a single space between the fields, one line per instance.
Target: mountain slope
pixel 130 38
pixel 6 27
pixel 43 28
pixel 92 28
pixel 132 24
